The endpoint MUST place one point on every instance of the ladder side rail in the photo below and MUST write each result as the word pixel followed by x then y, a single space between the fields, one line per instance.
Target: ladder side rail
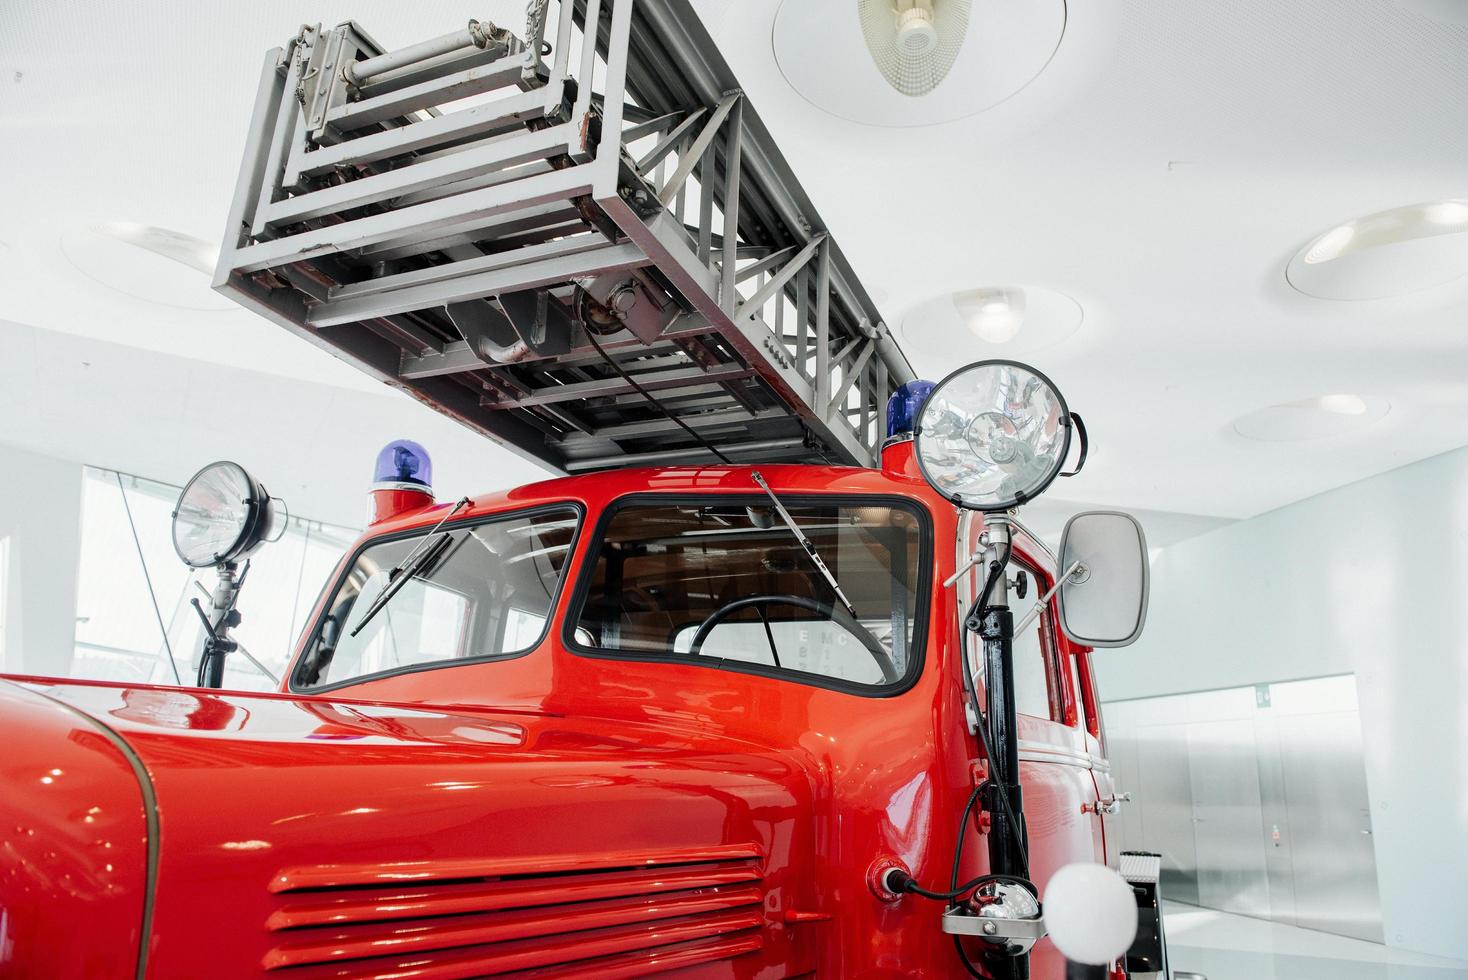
pixel 830 422
pixel 677 27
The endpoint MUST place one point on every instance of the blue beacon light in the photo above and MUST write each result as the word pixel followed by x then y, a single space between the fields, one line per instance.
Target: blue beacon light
pixel 403 465
pixel 904 407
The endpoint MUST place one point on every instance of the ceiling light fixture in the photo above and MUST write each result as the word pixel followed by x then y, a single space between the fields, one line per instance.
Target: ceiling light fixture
pixel 912 45
pixel 903 63
pixel 185 249
pixel 147 262
pixel 1388 253
pixel 993 314
pixel 1341 404
pixel 987 321
pixel 1322 417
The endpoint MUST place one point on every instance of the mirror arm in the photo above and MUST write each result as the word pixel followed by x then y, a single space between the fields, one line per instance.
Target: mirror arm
pixel 1075 568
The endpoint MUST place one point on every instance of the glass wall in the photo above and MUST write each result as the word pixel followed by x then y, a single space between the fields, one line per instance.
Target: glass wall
pixel 126 547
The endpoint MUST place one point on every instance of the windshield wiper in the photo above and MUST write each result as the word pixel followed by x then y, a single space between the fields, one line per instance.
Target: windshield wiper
pixel 401 574
pixel 805 542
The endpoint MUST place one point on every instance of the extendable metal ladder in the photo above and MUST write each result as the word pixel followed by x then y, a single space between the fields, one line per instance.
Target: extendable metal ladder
pixel 575 236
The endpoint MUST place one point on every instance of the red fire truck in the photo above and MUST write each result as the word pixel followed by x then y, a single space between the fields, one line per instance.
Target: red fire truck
pixel 762 688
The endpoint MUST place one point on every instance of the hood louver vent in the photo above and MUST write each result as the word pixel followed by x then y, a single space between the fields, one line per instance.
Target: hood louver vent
pixel 607 915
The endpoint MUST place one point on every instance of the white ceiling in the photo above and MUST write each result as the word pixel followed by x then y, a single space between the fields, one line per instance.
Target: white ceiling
pixel 163 416
pixel 1160 172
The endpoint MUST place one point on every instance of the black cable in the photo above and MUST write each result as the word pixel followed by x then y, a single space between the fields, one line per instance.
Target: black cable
pixel 968 809
pixel 591 336
pixel 968 965
pixel 996 569
pixel 902 882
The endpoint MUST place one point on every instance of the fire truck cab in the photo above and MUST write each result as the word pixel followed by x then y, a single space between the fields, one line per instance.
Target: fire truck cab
pixel 614 724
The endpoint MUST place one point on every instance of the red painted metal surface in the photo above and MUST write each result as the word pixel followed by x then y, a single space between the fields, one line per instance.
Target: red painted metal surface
pixel 573 816
pixel 388 503
pixel 73 845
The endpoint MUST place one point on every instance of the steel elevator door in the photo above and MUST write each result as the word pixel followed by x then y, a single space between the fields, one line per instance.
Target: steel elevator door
pixel 1227 824
pixel 1332 851
pixel 1257 799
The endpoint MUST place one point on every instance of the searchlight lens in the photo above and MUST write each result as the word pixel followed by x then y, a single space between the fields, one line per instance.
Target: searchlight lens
pixel 223 514
pixel 993 435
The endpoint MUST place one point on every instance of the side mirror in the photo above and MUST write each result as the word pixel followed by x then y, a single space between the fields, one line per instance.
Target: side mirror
pixel 1103 594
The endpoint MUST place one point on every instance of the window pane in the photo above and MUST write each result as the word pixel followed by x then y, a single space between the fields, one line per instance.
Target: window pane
pixel 666 572
pixel 117 633
pixel 1078 689
pixel 466 593
pixel 1031 676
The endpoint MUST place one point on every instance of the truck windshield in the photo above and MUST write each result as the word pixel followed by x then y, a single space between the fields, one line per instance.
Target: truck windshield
pixel 725 580
pixel 484 592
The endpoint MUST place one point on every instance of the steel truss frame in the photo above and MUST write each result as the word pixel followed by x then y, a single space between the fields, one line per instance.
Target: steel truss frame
pixel 540 233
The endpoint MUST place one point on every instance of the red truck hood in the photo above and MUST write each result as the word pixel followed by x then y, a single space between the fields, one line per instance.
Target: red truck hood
pixel 341 838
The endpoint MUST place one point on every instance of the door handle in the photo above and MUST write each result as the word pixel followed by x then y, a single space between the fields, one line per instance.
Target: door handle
pixel 1110 806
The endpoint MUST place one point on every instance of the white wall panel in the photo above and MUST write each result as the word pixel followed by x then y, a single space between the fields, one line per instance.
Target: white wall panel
pixel 1368 579
pixel 40 504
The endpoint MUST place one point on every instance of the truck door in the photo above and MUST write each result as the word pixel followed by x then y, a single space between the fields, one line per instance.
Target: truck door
pixel 1108 802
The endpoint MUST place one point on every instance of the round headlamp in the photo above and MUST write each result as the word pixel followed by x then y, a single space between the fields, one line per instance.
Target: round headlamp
pixel 222 515
pixel 993 435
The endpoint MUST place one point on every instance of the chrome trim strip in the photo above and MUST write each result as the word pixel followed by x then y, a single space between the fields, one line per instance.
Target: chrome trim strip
pixel 1038 542
pixel 150 813
pixel 1032 751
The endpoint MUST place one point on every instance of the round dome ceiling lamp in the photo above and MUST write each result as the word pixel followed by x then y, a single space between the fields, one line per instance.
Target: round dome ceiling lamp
pixel 914 43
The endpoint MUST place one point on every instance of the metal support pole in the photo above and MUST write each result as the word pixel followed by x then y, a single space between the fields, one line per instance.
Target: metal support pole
pixel 1006 839
pixel 218 645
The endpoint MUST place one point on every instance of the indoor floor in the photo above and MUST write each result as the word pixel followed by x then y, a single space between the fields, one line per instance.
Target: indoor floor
pixel 1222 946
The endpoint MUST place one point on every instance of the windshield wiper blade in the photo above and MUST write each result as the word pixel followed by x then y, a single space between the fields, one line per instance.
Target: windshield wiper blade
pixel 400 577
pixel 805 542
pixel 427 549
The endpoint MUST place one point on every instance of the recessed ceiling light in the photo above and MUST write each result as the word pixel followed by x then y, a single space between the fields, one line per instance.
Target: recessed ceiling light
pixel 147 262
pixel 1389 253
pixel 993 314
pixel 184 249
pixel 989 321
pixel 1312 418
